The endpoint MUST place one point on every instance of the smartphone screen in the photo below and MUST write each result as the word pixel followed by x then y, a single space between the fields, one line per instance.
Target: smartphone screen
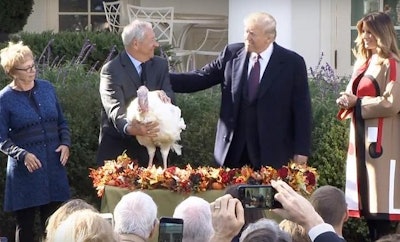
pixel 258 196
pixel 170 229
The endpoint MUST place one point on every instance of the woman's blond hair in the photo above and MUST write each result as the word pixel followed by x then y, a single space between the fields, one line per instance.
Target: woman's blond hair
pixel 13 55
pixel 62 213
pixel 85 226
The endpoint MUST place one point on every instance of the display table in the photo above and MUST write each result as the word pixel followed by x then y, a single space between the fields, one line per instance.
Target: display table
pixel 166 200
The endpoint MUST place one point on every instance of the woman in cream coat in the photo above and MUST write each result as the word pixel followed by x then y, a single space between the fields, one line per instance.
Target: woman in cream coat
pixel 372 101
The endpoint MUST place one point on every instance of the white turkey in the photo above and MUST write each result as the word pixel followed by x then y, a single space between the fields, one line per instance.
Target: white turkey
pixel 148 107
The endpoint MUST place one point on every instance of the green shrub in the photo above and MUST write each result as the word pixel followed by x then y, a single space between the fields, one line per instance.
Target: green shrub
pixel 92 49
pixel 200 114
pixel 14 14
pixel 330 138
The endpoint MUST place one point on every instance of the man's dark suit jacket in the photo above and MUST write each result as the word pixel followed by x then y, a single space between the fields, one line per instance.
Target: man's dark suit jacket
pixel 284 107
pixel 119 82
pixel 328 237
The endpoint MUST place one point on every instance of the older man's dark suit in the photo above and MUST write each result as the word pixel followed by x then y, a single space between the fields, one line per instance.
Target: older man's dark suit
pixel 119 82
pixel 275 126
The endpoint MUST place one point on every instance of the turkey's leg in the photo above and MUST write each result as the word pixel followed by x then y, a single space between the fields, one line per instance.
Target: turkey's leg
pixel 151 151
pixel 164 153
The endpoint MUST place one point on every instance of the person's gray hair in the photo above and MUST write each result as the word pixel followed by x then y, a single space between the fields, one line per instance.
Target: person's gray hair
pixel 135 213
pixel 196 215
pixel 134 30
pixel 264 230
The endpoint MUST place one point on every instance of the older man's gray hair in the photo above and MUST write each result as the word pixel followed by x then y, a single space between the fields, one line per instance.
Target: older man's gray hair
pixel 135 213
pixel 196 215
pixel 264 230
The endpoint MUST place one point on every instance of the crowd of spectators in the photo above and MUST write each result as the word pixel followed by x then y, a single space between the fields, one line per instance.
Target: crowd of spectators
pixel 320 218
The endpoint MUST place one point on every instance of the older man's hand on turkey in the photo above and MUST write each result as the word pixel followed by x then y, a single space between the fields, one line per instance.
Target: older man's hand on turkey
pixel 163 96
pixel 149 129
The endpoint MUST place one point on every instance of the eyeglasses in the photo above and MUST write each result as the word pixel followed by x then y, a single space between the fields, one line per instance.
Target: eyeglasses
pixel 27 69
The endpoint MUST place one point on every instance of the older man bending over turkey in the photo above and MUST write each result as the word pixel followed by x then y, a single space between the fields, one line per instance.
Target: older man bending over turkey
pixel 120 79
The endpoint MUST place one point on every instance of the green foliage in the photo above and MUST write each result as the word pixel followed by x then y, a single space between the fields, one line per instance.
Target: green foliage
pixel 330 139
pixel 58 48
pixel 78 94
pixel 329 136
pixel 356 230
pixel 14 14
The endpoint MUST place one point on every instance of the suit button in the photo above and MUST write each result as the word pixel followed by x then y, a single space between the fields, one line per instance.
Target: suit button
pixel 226 138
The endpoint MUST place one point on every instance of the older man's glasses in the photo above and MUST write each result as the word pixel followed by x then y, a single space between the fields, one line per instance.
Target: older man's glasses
pixel 27 69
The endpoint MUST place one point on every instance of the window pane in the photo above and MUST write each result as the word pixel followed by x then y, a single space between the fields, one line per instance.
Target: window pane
pixel 97 5
pixel 73 22
pixel 392 8
pixel 99 23
pixel 398 37
pixel 360 8
pixel 73 5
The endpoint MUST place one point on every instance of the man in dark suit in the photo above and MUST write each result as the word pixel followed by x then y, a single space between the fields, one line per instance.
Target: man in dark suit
pixel 119 80
pixel 271 126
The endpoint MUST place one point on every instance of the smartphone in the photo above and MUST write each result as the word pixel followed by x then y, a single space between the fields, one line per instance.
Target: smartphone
pixel 258 197
pixel 170 229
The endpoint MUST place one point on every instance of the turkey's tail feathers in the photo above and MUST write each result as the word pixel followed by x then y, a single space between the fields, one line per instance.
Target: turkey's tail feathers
pixel 177 148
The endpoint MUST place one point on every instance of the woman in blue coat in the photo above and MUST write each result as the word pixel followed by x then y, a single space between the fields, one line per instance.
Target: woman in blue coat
pixel 35 136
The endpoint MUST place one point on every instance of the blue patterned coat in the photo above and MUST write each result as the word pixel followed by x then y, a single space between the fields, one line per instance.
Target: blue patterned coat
pixel 33 121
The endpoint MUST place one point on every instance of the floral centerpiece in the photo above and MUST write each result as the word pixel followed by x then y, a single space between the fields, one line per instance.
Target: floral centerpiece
pixel 126 173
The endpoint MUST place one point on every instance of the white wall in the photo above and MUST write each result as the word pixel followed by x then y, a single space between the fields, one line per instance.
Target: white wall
pixel 306 30
pixel 39 19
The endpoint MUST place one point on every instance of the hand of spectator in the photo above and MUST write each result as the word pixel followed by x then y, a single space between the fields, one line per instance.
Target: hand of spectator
pixel 227 218
pixel 295 207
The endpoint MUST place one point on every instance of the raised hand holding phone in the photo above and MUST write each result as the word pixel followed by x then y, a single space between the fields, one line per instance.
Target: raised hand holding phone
pixel 258 197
